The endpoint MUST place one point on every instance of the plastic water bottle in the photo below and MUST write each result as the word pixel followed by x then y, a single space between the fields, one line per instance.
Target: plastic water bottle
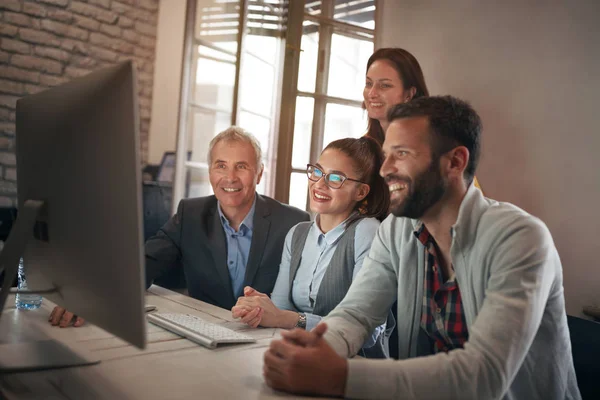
pixel 26 301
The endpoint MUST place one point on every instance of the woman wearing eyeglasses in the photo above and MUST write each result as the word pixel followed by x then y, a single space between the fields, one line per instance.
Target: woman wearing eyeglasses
pixel 321 258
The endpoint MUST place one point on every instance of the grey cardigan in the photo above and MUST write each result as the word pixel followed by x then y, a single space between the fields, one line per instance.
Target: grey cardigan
pixel 511 284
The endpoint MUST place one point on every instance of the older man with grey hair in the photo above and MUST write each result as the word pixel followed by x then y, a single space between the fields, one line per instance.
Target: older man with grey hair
pixel 231 239
pixel 224 242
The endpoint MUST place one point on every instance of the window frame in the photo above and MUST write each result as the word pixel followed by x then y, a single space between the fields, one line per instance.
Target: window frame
pixel 327 27
pixel 286 90
pixel 187 105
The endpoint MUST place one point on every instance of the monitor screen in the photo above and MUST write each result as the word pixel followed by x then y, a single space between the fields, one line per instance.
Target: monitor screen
pixel 77 151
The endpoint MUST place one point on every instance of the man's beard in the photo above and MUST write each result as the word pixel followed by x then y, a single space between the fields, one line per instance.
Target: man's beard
pixel 424 191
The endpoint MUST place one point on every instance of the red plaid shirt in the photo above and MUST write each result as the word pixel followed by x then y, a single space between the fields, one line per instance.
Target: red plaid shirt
pixel 442 316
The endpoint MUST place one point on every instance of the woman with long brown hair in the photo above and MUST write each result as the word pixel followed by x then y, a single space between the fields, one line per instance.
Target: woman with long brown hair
pixel 393 76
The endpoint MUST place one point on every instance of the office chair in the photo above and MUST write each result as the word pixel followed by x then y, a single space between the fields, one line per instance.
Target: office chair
pixel 585 346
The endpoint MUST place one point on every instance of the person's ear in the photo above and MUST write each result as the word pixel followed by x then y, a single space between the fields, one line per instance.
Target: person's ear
pixel 260 172
pixel 362 192
pixel 458 160
pixel 411 94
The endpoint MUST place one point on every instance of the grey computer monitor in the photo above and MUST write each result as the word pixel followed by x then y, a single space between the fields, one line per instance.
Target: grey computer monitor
pixel 79 170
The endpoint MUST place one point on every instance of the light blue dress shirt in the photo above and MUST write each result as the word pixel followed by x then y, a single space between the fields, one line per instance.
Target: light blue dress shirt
pixel 316 256
pixel 238 248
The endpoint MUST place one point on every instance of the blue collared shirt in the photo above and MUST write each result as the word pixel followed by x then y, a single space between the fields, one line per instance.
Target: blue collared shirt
pixel 238 248
pixel 316 256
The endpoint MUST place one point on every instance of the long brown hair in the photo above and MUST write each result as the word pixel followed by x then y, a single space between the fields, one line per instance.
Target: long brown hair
pixel 367 158
pixel 410 73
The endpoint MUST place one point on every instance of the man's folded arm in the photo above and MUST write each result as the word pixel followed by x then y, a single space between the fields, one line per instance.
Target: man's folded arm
pixel 524 266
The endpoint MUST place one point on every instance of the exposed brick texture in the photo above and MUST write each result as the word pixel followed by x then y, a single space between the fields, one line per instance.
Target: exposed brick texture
pixel 10 174
pixel 35 9
pixel 13 5
pixel 101 3
pixel 17 19
pixel 6 143
pixel 15 46
pixel 61 15
pixel 8 30
pixel 49 52
pixel 6 201
pixel 60 3
pixel 87 23
pixel 44 43
pixel 37 63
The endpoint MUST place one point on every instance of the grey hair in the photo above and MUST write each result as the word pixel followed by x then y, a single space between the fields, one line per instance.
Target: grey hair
pixel 235 133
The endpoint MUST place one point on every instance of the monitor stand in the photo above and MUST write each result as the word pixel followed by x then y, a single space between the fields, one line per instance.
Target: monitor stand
pixel 40 354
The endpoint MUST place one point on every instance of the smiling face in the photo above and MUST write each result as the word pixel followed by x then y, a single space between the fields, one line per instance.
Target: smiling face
pixel 336 202
pixel 383 89
pixel 410 169
pixel 234 174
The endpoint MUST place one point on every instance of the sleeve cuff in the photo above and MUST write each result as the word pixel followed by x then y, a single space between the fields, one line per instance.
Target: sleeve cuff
pixel 369 379
pixel 312 320
pixel 371 340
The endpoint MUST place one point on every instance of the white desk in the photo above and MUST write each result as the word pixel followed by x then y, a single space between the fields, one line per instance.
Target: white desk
pixel 170 367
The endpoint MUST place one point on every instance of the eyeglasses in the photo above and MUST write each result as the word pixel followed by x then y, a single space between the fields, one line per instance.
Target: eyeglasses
pixel 334 180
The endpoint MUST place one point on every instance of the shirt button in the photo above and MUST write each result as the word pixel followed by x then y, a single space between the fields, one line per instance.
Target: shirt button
pixel 438 310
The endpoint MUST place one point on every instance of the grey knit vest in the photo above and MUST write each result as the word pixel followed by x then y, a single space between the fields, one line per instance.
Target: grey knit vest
pixel 337 278
pixel 336 281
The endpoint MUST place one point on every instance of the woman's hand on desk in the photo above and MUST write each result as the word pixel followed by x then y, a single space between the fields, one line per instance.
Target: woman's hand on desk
pixel 63 318
pixel 248 307
pixel 256 308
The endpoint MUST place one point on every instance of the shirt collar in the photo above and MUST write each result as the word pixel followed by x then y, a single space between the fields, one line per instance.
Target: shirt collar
pixel 248 222
pixel 422 234
pixel 333 235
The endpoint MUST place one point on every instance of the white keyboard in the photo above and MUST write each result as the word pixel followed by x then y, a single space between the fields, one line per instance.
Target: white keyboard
pixel 198 330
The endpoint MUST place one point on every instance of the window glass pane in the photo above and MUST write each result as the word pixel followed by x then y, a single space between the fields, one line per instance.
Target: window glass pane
pixel 313 7
pixel 257 85
pixel 357 12
pixel 266 20
pixel 267 48
pixel 216 31
pixel 342 122
pixel 261 128
pixel 229 46
pixel 259 80
pixel 214 84
pixel 216 52
pixel 262 186
pixel 199 184
pixel 218 21
pixel 258 126
pixel 302 132
pixel 298 190
pixel 205 126
pixel 307 72
pixel 347 66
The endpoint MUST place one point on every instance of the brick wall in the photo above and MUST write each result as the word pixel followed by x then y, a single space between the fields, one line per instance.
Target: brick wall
pixel 47 42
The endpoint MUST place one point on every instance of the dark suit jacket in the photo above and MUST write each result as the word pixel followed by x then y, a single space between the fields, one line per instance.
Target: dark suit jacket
pixel 193 239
